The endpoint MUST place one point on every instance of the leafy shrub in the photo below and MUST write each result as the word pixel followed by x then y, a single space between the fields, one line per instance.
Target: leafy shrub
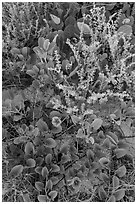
pixel 68 101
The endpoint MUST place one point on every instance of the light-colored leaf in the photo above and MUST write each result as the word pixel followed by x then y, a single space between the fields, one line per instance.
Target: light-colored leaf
pixel 125 29
pixel 126 129
pixel 80 133
pixel 42 198
pixel 104 161
pixel 44 172
pixel 17 117
pixel 115 182
pixel 50 142
pixel 16 171
pixel 42 125
pixel 75 119
pixel 84 28
pixel 121 171
pixel 113 137
pixel 120 152
pixel 55 19
pixel 96 124
pixel 26 197
pixel 55 168
pixel 53 194
pixel 41 41
pixel 46 45
pixel 48 158
pixel 49 185
pixel 112 199
pixel 39 186
pixel 119 194
pixel 29 147
pixel 31 163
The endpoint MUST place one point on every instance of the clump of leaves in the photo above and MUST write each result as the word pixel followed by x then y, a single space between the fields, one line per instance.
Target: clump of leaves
pixel 67 128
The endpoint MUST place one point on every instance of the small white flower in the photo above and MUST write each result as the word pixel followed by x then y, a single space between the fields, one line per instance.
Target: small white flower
pixel 56 121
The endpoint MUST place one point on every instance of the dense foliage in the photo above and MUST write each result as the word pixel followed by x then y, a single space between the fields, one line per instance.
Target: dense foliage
pixel 68 74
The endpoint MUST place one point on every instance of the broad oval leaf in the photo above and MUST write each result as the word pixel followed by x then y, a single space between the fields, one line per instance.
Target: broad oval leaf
pixel 50 142
pixel 55 168
pixel 64 148
pixel 104 177
pixel 16 171
pixel 55 113
pixel 84 28
pixel 42 198
pixel 104 161
pixel 25 51
pixel 41 41
pixel 119 194
pixel 112 199
pixel 48 158
pixel 90 154
pixel 55 19
pixel 65 159
pixel 26 197
pixel 39 186
pixel 120 152
pixel 44 172
pixel 38 169
pixel 106 143
pixel 75 119
pixel 46 45
pixel 31 163
pixel 125 29
pixel 54 180
pixel 42 125
pixel 80 133
pixel 122 144
pixel 53 194
pixel 115 182
pixel 113 137
pixel 17 117
pixel 29 147
pixel 121 171
pixel 49 185
pixel 101 192
pixel 15 51
pixel 56 130
pixel 96 124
